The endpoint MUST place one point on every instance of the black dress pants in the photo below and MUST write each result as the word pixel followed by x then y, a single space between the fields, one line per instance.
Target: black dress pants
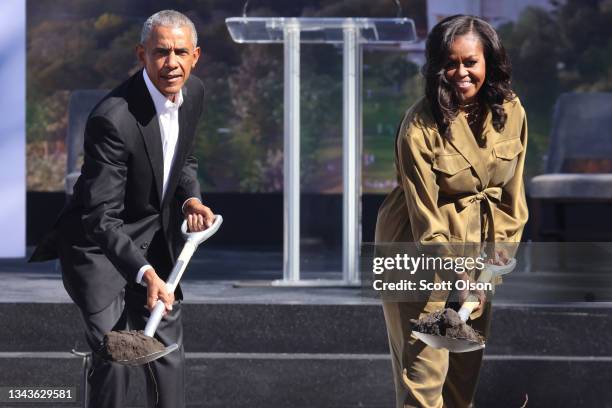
pixel 109 382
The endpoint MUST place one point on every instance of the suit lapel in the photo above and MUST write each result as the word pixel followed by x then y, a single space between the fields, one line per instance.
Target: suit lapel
pixel 182 146
pixel 152 138
pixel 146 117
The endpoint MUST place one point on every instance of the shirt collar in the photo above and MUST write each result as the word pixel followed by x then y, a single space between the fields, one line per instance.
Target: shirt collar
pixel 162 104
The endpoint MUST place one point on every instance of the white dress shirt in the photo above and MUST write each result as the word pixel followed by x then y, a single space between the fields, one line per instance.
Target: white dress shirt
pixel 168 117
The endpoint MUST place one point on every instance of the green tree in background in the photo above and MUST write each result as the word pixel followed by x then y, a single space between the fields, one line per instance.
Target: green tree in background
pixel 569 49
pixel 89 44
pixel 81 44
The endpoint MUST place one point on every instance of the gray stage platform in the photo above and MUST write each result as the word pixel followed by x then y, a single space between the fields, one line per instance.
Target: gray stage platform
pixel 279 347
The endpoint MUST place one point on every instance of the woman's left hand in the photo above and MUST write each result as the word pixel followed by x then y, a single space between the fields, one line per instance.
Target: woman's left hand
pixel 501 257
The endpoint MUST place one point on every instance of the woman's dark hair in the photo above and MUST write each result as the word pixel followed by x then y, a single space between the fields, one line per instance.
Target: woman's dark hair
pixel 443 97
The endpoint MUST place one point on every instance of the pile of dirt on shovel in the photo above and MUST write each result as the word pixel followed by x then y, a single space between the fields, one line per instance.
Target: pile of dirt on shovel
pixel 128 345
pixel 446 323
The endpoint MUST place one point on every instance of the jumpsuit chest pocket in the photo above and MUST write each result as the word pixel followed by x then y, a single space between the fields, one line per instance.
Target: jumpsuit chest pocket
pixel 453 173
pixel 506 159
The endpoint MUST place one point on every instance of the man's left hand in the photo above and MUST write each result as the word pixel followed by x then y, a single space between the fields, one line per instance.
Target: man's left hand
pixel 198 216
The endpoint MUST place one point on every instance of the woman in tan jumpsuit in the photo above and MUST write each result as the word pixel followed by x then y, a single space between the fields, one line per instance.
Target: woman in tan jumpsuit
pixel 460 154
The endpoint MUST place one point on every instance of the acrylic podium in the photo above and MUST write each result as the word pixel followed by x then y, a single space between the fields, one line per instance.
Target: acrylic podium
pixel 352 34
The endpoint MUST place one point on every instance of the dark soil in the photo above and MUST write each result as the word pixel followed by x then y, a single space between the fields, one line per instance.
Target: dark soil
pixel 128 345
pixel 446 323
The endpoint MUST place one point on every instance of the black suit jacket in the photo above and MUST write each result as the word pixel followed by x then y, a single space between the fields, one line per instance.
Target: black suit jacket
pixel 116 221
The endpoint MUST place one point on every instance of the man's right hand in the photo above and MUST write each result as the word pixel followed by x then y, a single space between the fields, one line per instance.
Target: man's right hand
pixel 156 290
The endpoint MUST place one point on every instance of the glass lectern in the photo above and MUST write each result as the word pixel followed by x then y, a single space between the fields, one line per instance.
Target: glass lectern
pixel 352 33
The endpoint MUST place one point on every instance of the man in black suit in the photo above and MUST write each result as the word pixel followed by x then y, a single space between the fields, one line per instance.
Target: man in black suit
pixel 120 232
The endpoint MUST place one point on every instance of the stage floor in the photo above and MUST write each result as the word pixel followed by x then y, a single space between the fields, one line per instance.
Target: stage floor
pixel 243 275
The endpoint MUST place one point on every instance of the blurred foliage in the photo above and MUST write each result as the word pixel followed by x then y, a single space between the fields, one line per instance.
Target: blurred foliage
pixel 46 166
pixel 257 127
pixel 81 44
pixel 569 49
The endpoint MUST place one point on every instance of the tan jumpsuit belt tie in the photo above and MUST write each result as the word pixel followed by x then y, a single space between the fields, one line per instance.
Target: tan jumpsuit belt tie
pixel 488 196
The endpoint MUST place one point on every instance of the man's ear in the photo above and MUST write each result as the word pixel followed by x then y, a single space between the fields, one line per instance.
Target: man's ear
pixel 196 56
pixel 140 54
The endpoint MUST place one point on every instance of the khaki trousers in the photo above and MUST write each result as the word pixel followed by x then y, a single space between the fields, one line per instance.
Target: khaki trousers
pixel 426 377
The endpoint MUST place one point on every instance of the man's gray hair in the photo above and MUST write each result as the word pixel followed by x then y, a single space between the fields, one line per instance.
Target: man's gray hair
pixel 168 18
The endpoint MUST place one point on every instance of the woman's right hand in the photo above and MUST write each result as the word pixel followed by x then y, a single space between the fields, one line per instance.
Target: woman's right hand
pixel 465 294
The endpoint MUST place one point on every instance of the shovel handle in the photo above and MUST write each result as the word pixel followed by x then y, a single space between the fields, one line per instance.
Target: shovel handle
pixel 500 270
pixel 193 239
pixel 154 319
pixel 486 275
pixel 171 284
pixel 468 307
pixel 472 301
pixel 198 237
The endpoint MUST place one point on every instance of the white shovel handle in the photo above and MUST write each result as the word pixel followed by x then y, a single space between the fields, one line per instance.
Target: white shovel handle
pixel 199 237
pixel 472 301
pixel 486 275
pixel 193 240
pixel 468 307
pixel 154 319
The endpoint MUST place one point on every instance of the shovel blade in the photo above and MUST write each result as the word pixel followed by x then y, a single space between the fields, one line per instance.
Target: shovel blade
pixel 149 357
pixel 452 345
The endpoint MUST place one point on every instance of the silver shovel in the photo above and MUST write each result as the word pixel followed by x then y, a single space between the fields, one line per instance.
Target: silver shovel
pixel 464 345
pixel 193 240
